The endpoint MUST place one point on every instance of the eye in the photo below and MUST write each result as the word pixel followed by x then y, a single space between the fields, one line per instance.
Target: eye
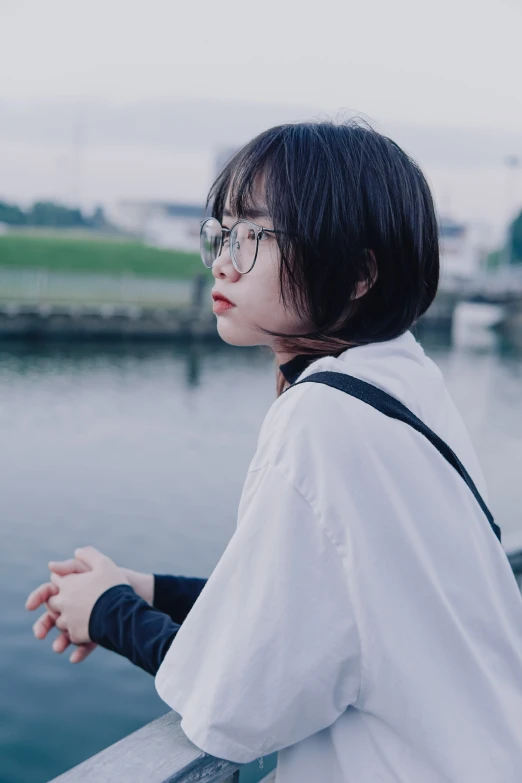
pixel 264 235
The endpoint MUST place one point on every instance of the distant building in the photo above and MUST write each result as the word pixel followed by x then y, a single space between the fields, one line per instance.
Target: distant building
pixel 167 224
pixel 461 247
pixel 161 223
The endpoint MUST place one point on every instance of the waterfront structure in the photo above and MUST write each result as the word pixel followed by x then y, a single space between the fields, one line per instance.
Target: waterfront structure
pixel 462 250
pixel 166 224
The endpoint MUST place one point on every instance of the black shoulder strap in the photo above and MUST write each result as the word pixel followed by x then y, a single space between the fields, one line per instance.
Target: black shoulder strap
pixel 391 407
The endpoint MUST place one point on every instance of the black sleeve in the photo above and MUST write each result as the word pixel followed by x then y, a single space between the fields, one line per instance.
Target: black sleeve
pixel 176 595
pixel 123 622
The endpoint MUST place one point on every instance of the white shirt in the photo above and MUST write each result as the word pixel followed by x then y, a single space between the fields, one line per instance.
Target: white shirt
pixel 363 620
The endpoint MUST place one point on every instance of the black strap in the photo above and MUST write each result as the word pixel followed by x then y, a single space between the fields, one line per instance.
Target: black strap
pixel 391 407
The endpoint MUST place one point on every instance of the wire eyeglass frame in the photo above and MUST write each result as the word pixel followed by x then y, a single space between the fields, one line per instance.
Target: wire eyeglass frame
pixel 225 233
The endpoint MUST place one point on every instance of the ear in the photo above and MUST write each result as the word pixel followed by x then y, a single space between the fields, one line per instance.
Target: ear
pixel 364 286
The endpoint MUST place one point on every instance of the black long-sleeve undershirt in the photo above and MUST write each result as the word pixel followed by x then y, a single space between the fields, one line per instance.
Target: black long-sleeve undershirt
pixel 176 595
pixel 123 622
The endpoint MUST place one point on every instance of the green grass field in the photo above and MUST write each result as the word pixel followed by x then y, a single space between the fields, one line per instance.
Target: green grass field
pixel 98 256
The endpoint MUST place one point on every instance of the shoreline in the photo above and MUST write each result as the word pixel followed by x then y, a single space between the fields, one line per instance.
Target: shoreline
pixel 105 321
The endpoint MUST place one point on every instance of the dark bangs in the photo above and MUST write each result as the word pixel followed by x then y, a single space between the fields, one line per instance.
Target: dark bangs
pixel 352 206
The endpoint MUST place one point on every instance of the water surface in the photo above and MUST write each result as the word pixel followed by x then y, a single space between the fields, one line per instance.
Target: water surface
pixel 142 452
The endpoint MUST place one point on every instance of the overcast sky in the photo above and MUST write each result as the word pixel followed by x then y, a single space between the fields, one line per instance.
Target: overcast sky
pixel 441 62
pixel 435 64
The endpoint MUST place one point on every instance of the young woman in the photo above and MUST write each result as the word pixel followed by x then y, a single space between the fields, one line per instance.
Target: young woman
pixel 363 620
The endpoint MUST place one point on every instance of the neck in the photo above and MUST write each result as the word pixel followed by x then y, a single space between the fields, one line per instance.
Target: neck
pixel 282 357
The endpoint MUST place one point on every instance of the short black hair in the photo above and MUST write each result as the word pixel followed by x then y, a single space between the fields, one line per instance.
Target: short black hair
pixel 349 202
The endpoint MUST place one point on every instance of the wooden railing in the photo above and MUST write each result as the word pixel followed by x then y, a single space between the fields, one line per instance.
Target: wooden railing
pixel 158 753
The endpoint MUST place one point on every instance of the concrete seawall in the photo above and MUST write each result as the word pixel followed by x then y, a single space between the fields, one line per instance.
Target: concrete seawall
pixel 104 322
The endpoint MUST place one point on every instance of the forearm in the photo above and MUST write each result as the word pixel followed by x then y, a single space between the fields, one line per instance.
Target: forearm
pixel 173 595
pixel 125 623
pixel 143 584
pixel 140 620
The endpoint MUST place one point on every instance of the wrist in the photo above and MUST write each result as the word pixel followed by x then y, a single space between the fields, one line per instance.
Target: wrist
pixel 142 584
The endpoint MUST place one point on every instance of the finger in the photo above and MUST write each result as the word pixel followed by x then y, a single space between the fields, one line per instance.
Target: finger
pixel 54 604
pixel 89 555
pixel 66 567
pixel 43 625
pixel 81 652
pixel 61 642
pixel 56 579
pixel 61 623
pixel 40 596
pixel 51 611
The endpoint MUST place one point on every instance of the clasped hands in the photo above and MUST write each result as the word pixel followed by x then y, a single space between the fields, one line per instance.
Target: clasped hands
pixel 74 587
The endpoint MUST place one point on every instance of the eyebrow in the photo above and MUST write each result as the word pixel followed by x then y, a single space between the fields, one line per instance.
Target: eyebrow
pixel 254 213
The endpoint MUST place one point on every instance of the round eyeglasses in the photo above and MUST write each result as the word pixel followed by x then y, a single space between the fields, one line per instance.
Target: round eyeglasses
pixel 243 239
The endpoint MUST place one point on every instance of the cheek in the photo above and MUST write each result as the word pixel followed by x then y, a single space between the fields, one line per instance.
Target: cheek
pixel 260 306
pixel 264 300
pixel 264 288
pixel 273 314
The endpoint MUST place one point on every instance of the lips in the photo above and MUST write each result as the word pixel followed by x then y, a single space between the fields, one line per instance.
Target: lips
pixel 217 297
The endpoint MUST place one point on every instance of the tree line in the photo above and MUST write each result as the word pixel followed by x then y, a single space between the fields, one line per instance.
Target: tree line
pixel 515 238
pixel 48 213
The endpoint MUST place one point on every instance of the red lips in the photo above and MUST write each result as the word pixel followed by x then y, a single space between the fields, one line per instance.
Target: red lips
pixel 217 296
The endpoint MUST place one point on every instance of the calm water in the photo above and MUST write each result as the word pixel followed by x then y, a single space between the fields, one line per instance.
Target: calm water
pixel 142 452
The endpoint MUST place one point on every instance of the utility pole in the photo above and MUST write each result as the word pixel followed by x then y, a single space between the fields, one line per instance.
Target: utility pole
pixel 78 144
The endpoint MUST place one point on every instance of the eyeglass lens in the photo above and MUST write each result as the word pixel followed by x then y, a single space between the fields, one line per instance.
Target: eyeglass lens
pixel 243 244
pixel 210 241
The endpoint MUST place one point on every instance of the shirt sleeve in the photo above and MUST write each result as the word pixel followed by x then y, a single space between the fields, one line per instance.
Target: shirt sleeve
pixel 123 622
pixel 269 653
pixel 176 595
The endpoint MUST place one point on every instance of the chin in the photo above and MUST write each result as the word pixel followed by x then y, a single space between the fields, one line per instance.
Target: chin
pixel 233 335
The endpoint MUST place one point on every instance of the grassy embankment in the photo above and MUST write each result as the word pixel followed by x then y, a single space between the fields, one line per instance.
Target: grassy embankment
pixel 96 256
pixel 46 268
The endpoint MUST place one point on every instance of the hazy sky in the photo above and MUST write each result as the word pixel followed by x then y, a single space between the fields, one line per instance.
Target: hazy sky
pixel 438 64
pixel 441 62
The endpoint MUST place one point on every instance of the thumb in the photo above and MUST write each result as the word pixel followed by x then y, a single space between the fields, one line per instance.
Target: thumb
pixel 90 556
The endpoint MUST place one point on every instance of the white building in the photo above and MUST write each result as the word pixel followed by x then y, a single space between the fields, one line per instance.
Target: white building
pixel 173 225
pixel 161 223
pixel 462 250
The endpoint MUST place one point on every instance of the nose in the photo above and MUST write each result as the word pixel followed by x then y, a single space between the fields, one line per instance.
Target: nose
pixel 223 268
